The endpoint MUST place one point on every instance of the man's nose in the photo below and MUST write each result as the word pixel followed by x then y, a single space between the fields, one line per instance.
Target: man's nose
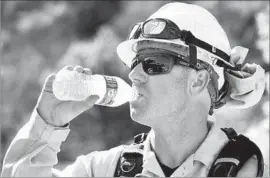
pixel 137 75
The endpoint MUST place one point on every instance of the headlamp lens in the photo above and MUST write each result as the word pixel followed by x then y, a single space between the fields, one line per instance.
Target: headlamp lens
pixel 154 27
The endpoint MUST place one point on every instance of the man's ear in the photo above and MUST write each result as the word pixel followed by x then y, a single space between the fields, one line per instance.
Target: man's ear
pixel 200 81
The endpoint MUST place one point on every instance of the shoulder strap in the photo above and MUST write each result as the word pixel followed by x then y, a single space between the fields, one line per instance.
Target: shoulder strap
pixel 234 154
pixel 131 159
pixel 227 164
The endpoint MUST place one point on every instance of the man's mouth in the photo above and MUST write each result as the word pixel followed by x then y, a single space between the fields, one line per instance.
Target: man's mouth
pixel 136 94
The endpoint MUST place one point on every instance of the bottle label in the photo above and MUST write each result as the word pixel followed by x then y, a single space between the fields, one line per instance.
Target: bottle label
pixel 111 91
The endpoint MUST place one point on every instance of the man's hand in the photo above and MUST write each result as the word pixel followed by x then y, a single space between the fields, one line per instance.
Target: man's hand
pixel 59 113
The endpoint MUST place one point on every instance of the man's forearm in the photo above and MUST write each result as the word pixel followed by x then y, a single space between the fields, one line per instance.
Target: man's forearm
pixel 33 152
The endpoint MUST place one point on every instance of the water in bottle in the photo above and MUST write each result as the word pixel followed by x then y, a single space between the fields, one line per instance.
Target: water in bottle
pixel 71 85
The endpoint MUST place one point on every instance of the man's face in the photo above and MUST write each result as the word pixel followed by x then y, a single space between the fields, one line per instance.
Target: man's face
pixel 159 96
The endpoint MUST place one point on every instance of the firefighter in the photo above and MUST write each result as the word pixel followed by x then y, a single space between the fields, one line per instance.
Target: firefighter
pixel 182 69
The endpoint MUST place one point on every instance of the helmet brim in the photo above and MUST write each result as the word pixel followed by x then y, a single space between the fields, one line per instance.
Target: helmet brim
pixel 127 49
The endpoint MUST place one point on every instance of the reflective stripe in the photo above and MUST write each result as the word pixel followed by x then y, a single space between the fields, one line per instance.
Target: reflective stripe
pixel 233 160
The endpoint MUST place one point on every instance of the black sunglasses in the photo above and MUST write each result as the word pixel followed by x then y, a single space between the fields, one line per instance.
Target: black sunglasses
pixel 161 62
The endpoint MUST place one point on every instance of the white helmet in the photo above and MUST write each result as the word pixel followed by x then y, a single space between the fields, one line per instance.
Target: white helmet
pixel 213 46
pixel 200 22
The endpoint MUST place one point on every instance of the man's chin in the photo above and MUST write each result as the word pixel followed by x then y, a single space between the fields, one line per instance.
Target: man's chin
pixel 139 116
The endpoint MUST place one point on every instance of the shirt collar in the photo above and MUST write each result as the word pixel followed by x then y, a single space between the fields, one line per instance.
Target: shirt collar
pixel 207 151
pixel 211 146
pixel 149 158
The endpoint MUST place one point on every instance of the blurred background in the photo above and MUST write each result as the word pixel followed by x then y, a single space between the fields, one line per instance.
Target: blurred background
pixel 41 37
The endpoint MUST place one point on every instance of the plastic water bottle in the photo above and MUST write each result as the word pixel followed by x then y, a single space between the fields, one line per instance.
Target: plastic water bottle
pixel 71 85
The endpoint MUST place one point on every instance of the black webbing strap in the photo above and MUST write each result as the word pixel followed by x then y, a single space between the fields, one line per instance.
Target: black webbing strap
pixel 189 38
pixel 234 155
pixel 211 89
pixel 129 165
pixel 229 161
pixel 130 162
pixel 192 55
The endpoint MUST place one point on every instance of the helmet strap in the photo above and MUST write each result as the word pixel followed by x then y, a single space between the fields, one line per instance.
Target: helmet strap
pixel 193 61
pixel 192 55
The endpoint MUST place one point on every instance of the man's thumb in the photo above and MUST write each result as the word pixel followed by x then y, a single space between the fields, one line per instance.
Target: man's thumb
pixel 47 87
pixel 49 83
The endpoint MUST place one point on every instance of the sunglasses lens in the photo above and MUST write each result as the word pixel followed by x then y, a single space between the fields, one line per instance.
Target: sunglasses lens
pixel 154 65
